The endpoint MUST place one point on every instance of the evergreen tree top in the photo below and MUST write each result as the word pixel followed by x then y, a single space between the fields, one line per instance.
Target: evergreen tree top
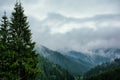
pixel 18 1
pixel 4 16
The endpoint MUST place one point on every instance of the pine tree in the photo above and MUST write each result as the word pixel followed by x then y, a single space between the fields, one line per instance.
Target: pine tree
pixel 22 44
pixel 6 60
pixel 3 45
pixel 4 31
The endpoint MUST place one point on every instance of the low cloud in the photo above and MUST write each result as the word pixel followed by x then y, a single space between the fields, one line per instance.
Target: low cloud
pixel 60 26
pixel 60 32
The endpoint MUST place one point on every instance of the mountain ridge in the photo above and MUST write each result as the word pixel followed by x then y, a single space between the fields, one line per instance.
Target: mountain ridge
pixel 77 63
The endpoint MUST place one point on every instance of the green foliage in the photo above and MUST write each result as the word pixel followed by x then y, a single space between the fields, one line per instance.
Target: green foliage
pixel 18 59
pixel 53 71
pixel 7 67
pixel 105 71
pixel 113 74
pixel 103 67
pixel 4 32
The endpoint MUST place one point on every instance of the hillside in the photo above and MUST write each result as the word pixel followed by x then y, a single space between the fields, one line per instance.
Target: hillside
pixel 109 70
pixel 74 66
pixel 52 71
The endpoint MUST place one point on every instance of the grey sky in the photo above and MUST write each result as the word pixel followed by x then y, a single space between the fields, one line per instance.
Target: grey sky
pixel 72 24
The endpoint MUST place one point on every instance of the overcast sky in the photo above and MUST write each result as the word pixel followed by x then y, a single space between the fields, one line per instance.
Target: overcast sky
pixel 71 24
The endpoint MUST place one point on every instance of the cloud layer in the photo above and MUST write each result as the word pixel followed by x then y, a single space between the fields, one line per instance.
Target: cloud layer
pixel 72 24
pixel 59 32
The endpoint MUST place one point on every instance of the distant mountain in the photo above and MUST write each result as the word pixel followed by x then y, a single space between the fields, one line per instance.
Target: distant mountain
pixel 44 51
pixel 95 57
pixel 79 56
pixel 105 55
pixel 109 52
pixel 78 63
pixel 74 66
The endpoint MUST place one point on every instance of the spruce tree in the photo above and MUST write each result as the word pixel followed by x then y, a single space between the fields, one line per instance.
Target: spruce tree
pixel 6 60
pixel 23 45
pixel 4 30
pixel 3 45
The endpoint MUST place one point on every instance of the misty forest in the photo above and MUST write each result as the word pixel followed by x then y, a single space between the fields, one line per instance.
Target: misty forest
pixel 22 57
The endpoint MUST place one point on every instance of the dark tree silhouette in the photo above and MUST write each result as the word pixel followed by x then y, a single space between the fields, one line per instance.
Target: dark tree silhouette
pixel 22 44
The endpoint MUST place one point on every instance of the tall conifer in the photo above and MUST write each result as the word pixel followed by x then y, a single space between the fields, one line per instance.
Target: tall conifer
pixel 6 60
pixel 22 44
